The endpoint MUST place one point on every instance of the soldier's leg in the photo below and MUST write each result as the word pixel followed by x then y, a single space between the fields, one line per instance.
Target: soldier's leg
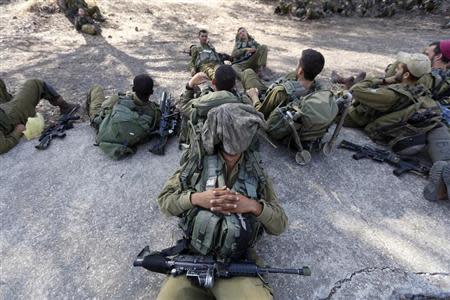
pixel 4 95
pixel 439 150
pixel 276 97
pixel 94 13
pixel 209 70
pixel 261 55
pixel 439 144
pixel 180 287
pixel 251 80
pixel 245 288
pixel 23 104
pixel 95 98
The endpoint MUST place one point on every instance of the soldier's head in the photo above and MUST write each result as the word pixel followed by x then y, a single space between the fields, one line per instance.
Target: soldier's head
pixel 203 36
pixel 439 53
pixel 412 66
pixel 81 12
pixel 143 86
pixel 310 64
pixel 242 34
pixel 224 78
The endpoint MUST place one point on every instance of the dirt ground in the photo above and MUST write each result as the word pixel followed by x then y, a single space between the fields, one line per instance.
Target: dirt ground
pixel 73 232
pixel 149 36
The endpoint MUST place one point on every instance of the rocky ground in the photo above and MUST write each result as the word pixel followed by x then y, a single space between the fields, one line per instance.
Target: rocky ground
pixel 72 220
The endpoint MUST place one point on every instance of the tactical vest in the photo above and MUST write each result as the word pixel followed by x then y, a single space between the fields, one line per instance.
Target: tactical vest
pixel 441 85
pixel 250 43
pixel 206 56
pixel 226 237
pixel 415 113
pixel 292 87
pixel 123 128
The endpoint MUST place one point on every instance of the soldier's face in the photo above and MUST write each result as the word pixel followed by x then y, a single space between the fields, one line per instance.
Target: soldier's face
pixel 429 51
pixel 243 34
pixel 203 37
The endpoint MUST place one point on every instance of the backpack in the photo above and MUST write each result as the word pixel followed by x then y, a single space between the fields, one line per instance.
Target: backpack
pixel 227 238
pixel 312 115
pixel 123 129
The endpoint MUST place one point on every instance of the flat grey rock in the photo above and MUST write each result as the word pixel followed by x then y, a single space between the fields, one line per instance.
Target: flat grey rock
pixel 72 221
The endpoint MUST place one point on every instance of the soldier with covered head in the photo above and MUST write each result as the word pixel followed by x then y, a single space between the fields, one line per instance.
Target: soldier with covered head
pixel 229 189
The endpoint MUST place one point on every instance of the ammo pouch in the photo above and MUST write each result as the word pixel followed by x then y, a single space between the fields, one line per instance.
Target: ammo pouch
pixel 226 237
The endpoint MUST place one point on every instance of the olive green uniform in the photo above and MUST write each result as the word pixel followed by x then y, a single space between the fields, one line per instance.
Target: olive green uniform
pixel 173 200
pixel 255 61
pixel 277 95
pixel 98 104
pixel 373 101
pixel 204 58
pixel 16 110
pixel 70 8
pixel 86 25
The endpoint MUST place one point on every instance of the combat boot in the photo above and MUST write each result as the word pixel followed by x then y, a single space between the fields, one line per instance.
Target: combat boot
pixel 436 187
pixel 64 106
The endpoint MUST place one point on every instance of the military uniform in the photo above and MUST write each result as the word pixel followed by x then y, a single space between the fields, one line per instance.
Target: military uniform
pixel 70 8
pixel 16 110
pixel 276 94
pixel 174 200
pixel 191 106
pixel 248 61
pixel 123 121
pixel 86 25
pixel 204 58
pixel 379 108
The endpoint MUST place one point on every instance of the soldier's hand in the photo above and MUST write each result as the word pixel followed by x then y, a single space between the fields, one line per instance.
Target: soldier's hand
pixel 253 93
pixel 20 128
pixel 235 203
pixel 251 50
pixel 203 199
pixel 198 79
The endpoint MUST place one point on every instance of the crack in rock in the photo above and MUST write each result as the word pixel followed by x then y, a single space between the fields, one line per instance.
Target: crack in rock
pixel 338 284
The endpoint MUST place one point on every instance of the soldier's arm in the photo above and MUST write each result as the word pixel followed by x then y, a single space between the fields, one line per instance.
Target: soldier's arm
pixel 272 216
pixel 237 53
pixel 7 142
pixel 173 200
pixel 110 102
pixel 194 54
pixel 186 100
pixel 369 93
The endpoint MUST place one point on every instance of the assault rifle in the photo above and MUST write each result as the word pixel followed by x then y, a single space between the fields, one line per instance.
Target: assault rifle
pixel 167 124
pixel 57 130
pixel 204 269
pixel 401 164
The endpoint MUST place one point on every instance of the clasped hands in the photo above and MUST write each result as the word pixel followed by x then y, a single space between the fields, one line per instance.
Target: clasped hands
pixel 223 200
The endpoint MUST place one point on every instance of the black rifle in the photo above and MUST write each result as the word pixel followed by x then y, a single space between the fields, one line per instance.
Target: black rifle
pixel 167 124
pixel 57 130
pixel 204 269
pixel 401 164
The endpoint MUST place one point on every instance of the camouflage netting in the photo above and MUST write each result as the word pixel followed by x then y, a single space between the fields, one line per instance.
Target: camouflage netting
pixel 316 9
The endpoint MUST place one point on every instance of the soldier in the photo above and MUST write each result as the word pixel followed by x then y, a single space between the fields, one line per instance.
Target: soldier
pixel 71 8
pixel 204 57
pixel 15 110
pixel 125 120
pixel 399 111
pixel 299 83
pixel 228 189
pixel 195 104
pixel 86 24
pixel 248 54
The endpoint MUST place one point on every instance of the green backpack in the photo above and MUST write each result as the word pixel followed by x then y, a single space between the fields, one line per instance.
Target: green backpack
pixel 227 238
pixel 312 115
pixel 123 129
